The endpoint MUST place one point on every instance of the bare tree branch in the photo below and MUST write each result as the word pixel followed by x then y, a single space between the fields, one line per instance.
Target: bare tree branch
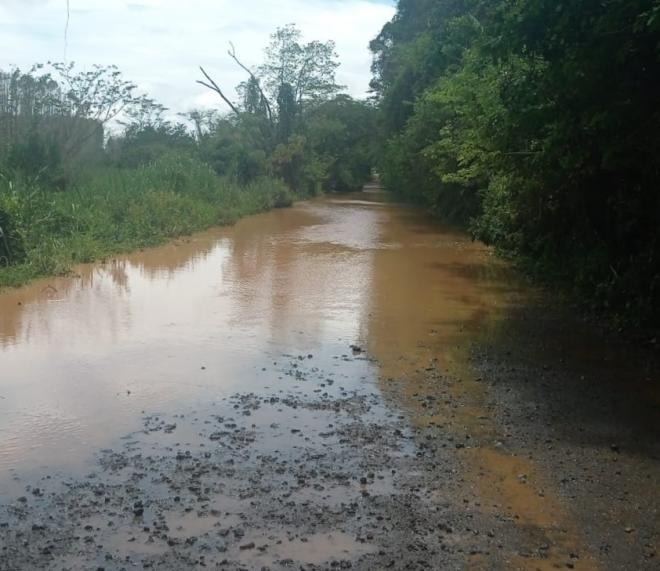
pixel 301 78
pixel 232 55
pixel 214 87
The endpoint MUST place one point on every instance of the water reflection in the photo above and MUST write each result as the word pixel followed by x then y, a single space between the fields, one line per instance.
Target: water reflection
pixel 432 289
pixel 82 357
pixel 19 308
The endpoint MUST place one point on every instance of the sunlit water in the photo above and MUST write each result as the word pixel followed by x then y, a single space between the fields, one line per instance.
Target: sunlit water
pixel 83 358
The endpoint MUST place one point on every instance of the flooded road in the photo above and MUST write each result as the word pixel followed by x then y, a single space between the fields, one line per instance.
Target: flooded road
pixel 82 358
pixel 344 333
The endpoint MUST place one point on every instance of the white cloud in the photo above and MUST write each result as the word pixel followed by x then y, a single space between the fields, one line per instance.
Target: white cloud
pixel 159 44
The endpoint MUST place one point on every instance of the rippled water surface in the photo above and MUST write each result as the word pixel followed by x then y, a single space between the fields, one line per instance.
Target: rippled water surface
pixel 82 358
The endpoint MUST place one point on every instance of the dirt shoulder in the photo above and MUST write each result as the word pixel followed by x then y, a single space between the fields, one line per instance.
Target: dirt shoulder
pixel 582 413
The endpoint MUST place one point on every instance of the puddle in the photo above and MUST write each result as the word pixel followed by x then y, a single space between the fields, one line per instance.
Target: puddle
pixel 313 549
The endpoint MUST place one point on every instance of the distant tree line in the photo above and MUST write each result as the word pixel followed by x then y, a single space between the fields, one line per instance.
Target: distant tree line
pixel 291 122
pixel 89 166
pixel 292 118
pixel 53 117
pixel 536 124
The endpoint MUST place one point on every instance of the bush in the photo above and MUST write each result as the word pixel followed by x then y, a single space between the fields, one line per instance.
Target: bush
pixel 112 210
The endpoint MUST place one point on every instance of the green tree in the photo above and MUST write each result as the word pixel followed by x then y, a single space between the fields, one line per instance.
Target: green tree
pixel 535 123
pixel 343 132
pixel 295 76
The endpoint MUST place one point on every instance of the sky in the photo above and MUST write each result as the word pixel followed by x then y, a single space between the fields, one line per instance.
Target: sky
pixel 159 44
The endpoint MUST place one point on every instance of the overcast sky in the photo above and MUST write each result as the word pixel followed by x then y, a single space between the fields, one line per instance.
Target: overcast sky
pixel 159 44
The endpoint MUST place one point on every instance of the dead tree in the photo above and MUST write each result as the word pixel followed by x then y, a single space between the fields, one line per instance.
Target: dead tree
pixel 213 86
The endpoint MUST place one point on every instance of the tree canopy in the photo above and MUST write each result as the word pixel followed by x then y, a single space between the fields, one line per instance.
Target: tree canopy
pixel 534 123
pixel 293 118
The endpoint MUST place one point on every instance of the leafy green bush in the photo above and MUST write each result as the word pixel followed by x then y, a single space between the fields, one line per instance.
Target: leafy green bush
pixel 536 124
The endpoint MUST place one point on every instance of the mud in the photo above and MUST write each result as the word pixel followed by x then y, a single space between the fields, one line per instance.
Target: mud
pixel 313 478
pixel 341 385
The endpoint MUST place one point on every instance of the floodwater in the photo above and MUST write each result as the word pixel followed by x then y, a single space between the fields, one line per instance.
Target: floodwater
pixel 108 358
pixel 83 358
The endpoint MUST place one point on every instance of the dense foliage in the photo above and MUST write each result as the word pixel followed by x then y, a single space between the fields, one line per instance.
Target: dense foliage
pixel 536 124
pixel 293 119
pixel 113 210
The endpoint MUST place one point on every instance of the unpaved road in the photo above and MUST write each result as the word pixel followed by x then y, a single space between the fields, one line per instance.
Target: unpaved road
pixel 340 385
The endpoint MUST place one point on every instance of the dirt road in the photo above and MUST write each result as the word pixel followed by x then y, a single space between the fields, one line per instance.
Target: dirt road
pixel 340 385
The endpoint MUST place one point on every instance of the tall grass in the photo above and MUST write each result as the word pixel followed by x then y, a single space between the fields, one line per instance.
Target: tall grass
pixel 109 211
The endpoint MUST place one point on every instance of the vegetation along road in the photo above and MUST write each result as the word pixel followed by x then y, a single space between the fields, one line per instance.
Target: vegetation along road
pixel 300 329
pixel 344 383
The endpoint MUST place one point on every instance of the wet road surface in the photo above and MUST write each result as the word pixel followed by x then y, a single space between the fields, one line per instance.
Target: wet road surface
pixel 343 384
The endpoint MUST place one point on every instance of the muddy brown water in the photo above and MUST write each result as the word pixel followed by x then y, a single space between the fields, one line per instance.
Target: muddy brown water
pixel 83 359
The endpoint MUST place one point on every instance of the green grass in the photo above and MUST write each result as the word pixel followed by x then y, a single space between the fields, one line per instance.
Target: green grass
pixel 110 211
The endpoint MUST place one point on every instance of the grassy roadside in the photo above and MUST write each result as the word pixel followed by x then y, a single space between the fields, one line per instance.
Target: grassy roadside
pixel 110 211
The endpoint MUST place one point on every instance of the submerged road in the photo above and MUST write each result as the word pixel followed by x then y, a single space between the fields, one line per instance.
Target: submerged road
pixel 341 384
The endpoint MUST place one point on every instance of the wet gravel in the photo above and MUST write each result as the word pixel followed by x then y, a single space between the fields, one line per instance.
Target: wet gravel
pixel 306 479
pixel 502 470
pixel 583 406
